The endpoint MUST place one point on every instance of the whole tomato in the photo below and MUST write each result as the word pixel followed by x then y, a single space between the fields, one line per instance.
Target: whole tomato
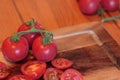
pixel 33 69
pixel 44 52
pixel 110 5
pixel 89 7
pixel 15 51
pixel 30 36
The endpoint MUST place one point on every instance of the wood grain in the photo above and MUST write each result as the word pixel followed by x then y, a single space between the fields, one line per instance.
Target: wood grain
pixel 9 19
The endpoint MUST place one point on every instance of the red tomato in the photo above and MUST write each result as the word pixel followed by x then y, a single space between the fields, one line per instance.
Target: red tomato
pixel 89 6
pixel 45 53
pixel 61 63
pixel 34 69
pixel 15 51
pixel 71 74
pixel 52 74
pixel 19 77
pixel 110 5
pixel 3 70
pixel 30 36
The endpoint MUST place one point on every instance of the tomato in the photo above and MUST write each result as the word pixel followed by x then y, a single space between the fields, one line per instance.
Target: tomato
pixel 61 63
pixel 110 5
pixel 33 69
pixel 15 51
pixel 30 36
pixel 52 74
pixel 71 74
pixel 3 70
pixel 89 6
pixel 19 77
pixel 44 52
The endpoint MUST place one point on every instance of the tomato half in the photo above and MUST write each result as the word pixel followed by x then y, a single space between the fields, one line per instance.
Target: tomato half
pixel 89 6
pixel 61 63
pixel 15 51
pixel 30 36
pixel 19 77
pixel 52 74
pixel 71 74
pixel 33 69
pixel 110 5
pixel 44 52
pixel 3 70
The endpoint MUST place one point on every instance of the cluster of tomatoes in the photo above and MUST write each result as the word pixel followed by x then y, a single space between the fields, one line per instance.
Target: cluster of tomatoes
pixel 32 36
pixel 92 6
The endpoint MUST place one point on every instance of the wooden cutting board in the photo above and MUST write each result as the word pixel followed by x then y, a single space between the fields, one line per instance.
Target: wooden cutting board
pixel 94 52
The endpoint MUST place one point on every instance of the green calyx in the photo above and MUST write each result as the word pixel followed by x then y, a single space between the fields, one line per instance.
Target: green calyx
pixel 47 36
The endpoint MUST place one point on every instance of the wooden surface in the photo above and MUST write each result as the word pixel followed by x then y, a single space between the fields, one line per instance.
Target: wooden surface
pixel 55 14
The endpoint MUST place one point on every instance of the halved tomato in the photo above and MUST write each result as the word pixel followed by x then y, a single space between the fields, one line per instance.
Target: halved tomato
pixel 3 70
pixel 33 69
pixel 52 74
pixel 61 63
pixel 19 77
pixel 71 74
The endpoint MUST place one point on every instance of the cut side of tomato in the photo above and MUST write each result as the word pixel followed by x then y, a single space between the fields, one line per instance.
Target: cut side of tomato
pixel 61 63
pixel 19 77
pixel 33 69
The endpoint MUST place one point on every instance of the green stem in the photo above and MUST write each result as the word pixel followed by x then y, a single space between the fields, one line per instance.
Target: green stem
pixel 111 18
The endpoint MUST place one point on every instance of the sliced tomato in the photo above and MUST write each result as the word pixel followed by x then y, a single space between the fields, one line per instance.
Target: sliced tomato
pixel 33 69
pixel 61 63
pixel 19 77
pixel 3 70
pixel 71 74
pixel 52 74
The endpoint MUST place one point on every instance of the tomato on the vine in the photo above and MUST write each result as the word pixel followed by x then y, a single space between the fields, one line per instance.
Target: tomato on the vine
pixel 44 52
pixel 61 63
pixel 110 5
pixel 3 70
pixel 15 51
pixel 19 77
pixel 52 74
pixel 71 74
pixel 89 6
pixel 34 69
pixel 30 36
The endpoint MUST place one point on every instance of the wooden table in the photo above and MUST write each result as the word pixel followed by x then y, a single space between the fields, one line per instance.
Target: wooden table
pixel 53 14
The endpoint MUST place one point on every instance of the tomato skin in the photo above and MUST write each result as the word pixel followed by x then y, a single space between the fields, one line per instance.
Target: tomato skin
pixel 19 77
pixel 52 74
pixel 45 53
pixel 61 63
pixel 15 51
pixel 33 69
pixel 30 36
pixel 110 5
pixel 89 7
pixel 71 74
pixel 3 71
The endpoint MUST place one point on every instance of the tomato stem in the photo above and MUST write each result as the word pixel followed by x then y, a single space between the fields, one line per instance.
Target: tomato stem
pixel 111 18
pixel 47 36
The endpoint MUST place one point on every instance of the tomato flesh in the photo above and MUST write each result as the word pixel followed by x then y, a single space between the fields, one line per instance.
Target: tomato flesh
pixel 71 74
pixel 3 70
pixel 19 77
pixel 61 63
pixel 34 69
pixel 52 74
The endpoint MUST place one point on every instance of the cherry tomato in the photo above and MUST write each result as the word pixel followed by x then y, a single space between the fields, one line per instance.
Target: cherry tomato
pixel 45 53
pixel 71 74
pixel 15 51
pixel 3 70
pixel 19 77
pixel 61 63
pixel 33 69
pixel 89 7
pixel 110 5
pixel 52 74
pixel 30 36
